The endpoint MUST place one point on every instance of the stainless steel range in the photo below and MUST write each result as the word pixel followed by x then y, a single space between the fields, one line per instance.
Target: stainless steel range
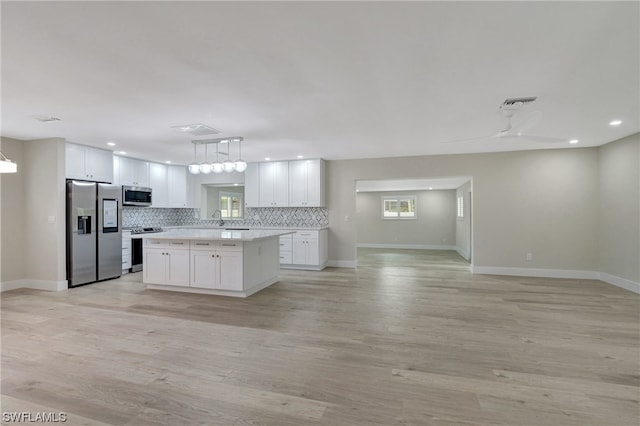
pixel 145 230
pixel 136 246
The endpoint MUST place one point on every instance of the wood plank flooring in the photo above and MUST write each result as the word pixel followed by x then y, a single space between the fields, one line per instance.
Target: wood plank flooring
pixel 409 338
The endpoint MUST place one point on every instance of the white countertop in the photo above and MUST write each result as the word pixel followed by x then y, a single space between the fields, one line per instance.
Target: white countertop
pixel 224 227
pixel 213 234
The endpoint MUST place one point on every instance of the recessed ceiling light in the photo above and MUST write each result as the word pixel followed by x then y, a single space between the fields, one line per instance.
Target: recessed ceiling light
pixel 267 159
pixel 430 187
pixel 300 156
pixel 121 152
pixel 111 143
pixel 236 184
pixel 615 123
pixel 574 141
pixel 167 162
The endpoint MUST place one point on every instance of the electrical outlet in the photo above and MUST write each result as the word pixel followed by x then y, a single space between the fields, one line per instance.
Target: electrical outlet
pixel 529 256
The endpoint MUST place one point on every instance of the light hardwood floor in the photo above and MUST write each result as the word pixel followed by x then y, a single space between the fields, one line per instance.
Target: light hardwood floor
pixel 409 338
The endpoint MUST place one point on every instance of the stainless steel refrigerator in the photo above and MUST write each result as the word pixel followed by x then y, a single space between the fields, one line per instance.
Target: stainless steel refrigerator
pixel 94 232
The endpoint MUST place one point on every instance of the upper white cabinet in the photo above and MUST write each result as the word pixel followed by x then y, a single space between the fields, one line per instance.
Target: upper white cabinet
pixel 285 184
pixel 252 185
pixel 159 184
pixel 132 172
pixel 169 185
pixel 274 184
pixel 306 183
pixel 83 162
pixel 177 186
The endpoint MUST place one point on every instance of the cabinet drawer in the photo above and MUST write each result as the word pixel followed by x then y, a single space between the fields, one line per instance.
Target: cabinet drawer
pixel 285 243
pixel 126 252
pixel 230 245
pixel 285 257
pixel 203 245
pixel 126 244
pixel 173 244
pixel 306 235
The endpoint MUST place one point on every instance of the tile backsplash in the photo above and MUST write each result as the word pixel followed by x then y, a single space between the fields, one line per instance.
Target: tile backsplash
pixel 311 217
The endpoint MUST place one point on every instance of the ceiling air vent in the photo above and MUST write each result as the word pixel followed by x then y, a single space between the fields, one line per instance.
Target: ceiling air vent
pixel 196 129
pixel 46 118
pixel 519 101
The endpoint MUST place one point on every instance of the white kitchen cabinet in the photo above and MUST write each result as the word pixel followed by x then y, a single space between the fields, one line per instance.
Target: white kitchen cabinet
pixel 159 184
pixel 86 163
pixel 166 262
pixel 306 183
pixel 309 250
pixel 177 189
pixel 286 247
pixel 216 265
pixel 126 251
pixel 133 172
pixel 274 184
pixel 252 185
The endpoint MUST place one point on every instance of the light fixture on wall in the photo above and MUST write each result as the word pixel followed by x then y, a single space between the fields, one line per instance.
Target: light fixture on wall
pixel 218 167
pixel 6 165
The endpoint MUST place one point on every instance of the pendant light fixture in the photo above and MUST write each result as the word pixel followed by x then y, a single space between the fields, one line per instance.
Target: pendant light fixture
pixel 205 166
pixel 194 168
pixel 217 165
pixel 240 164
pixel 228 165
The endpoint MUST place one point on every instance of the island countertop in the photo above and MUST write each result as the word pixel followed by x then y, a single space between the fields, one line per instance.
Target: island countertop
pixel 213 235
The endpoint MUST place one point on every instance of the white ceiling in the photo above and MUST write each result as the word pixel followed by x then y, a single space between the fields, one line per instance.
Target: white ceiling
pixel 320 79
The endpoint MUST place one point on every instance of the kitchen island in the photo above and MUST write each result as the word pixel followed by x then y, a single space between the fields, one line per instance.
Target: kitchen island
pixel 212 261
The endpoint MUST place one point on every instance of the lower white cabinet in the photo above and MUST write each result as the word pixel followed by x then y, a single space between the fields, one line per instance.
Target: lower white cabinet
pixel 226 267
pixel 126 251
pixel 304 250
pixel 166 262
pixel 216 265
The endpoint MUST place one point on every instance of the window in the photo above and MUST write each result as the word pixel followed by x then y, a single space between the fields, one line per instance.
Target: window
pixel 230 205
pixel 399 207
pixel 461 207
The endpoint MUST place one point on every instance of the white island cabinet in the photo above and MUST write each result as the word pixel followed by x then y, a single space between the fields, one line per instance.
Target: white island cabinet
pixel 228 263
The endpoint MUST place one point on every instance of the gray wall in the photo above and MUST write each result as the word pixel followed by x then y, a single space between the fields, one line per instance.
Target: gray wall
pixel 463 226
pixel 619 227
pixel 544 202
pixel 38 236
pixel 12 216
pixel 434 226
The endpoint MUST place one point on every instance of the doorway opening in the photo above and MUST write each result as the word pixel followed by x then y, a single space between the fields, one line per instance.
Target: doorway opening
pixel 403 221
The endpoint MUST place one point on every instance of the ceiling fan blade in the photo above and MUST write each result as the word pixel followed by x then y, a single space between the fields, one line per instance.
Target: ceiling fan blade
pixel 526 121
pixel 471 140
pixel 535 138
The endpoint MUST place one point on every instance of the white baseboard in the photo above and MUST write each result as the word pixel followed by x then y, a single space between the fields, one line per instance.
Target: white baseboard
pixel 34 285
pixel 341 263
pixel 536 272
pixel 462 252
pixel 407 246
pixel 620 282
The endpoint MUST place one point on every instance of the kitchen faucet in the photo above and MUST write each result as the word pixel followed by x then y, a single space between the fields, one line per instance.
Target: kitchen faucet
pixel 219 219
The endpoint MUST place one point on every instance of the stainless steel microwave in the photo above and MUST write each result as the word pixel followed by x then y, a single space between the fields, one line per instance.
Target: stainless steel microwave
pixel 136 196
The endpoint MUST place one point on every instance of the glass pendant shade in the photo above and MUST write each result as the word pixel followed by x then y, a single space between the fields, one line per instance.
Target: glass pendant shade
pixel 194 168
pixel 241 166
pixel 229 166
pixel 217 167
pixel 205 168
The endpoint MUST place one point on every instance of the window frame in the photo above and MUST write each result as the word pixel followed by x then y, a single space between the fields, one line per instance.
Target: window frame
pixel 399 199
pixel 230 195
pixel 460 207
